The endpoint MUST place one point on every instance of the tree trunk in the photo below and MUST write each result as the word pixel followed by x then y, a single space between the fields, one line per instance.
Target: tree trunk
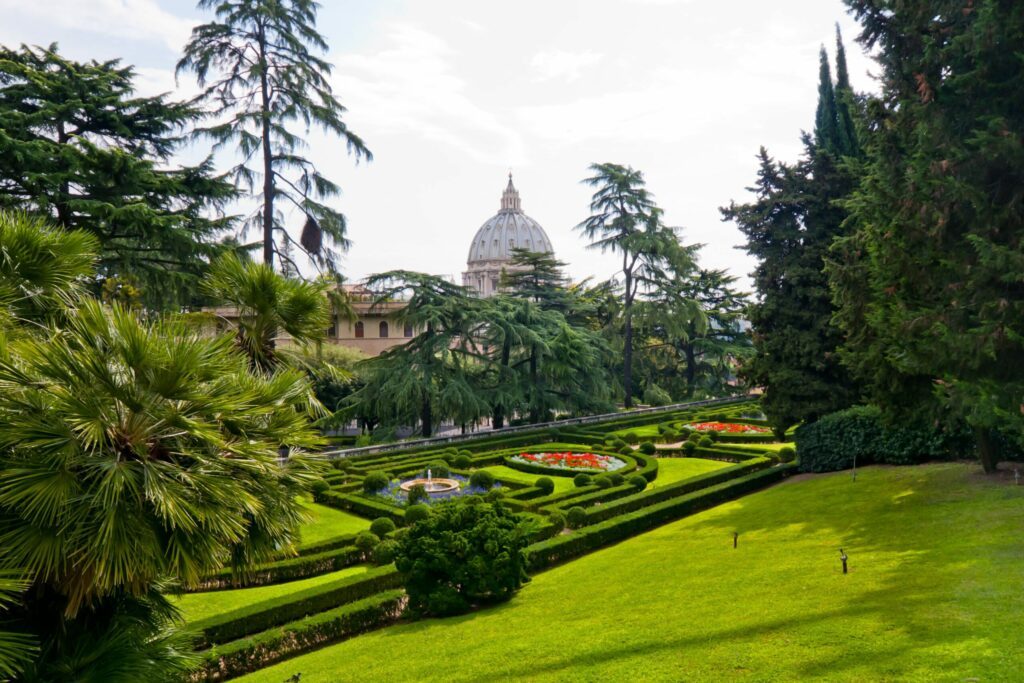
pixel 534 407
pixel 498 415
pixel 627 351
pixel 426 416
pixel 988 451
pixel 268 165
pixel 691 368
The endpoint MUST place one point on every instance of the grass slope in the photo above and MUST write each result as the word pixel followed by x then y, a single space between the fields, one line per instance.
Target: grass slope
pixel 328 523
pixel 196 606
pixel 933 594
pixel 671 470
pixel 562 483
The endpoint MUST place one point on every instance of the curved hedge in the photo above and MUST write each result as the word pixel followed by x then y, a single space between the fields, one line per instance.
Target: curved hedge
pixel 282 571
pixel 630 461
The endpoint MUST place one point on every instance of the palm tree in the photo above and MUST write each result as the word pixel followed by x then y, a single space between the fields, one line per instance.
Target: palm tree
pixel 267 304
pixel 624 218
pixel 16 649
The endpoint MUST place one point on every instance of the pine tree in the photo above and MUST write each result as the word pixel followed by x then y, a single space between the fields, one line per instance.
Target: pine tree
pixel 265 79
pixel 848 139
pixel 931 285
pixel 826 121
pixel 77 145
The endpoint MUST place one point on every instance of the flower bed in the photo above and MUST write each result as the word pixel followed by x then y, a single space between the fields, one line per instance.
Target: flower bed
pixel 728 428
pixel 575 462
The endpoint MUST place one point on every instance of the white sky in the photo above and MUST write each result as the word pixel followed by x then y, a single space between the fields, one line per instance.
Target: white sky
pixel 451 94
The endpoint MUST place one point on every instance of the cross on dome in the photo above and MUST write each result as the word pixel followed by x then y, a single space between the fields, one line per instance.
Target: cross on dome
pixel 510 198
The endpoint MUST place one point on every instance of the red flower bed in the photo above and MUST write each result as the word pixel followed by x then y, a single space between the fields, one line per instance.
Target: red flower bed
pixel 572 461
pixel 729 428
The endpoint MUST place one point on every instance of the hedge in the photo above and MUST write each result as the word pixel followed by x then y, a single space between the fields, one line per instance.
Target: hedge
pixel 282 571
pixel 548 553
pixel 365 507
pixel 598 496
pixel 303 635
pixel 650 497
pixel 833 442
pixel 261 616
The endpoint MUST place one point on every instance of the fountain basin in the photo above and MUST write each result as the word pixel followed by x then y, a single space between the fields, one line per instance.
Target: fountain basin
pixel 433 485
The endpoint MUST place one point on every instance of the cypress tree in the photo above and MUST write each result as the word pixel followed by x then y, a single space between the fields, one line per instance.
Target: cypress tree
pixel 849 145
pixel 826 128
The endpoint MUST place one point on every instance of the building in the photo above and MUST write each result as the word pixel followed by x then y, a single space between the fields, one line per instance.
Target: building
pixel 491 250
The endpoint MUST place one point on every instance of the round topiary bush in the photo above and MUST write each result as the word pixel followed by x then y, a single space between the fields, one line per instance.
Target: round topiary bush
pixel 366 541
pixel 482 479
pixel 319 487
pixel 417 494
pixel 670 436
pixel 546 485
pixel 705 442
pixel 689 447
pixel 461 461
pixel 438 468
pixel 787 454
pixel 713 435
pixel 647 448
pixel 576 517
pixel 582 480
pixel 694 437
pixel 416 513
pixel 384 553
pixel 382 526
pixel 603 481
pixel 616 478
pixel 618 443
pixel 375 482
pixel 495 494
pixel 638 482
pixel 631 437
pixel 626 450
pixel 557 520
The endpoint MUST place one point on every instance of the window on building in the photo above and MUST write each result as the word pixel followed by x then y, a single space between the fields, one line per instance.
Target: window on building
pixel 359 330
pixel 408 330
pixel 384 329
pixel 332 331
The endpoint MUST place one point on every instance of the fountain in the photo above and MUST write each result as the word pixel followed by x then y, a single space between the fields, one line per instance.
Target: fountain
pixel 432 486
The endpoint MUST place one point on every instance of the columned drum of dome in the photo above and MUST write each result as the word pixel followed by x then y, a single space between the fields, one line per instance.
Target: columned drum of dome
pixel 491 250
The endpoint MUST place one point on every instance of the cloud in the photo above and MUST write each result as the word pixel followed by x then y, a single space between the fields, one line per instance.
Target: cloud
pixel 127 19
pixel 552 64
pixel 410 86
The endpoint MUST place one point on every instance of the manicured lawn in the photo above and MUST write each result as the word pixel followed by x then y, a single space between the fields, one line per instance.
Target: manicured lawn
pixel 933 594
pixel 508 474
pixel 645 430
pixel 328 523
pixel 760 446
pixel 676 469
pixel 195 606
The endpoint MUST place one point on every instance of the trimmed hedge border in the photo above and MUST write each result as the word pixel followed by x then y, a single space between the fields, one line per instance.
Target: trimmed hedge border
pixel 282 571
pixel 264 615
pixel 243 656
pixel 361 506
pixel 561 548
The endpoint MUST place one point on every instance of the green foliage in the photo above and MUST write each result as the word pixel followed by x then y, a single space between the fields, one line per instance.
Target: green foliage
pixel 648 448
pixel 417 494
pixel 860 435
pixel 787 454
pixel 656 396
pixel 581 480
pixel 81 148
pixel 670 436
pixel 576 517
pixel 462 555
pixel 416 513
pixel 375 482
pixel 385 552
pixel 626 450
pixel 637 482
pixel 546 485
pixel 382 526
pixel 438 468
pixel 262 74
pixel 461 462
pixel 557 520
pixel 366 541
pixel 603 481
pixel 631 438
pixel 616 478
pixel 694 437
pixel 481 479
pixel 319 487
pixel 705 442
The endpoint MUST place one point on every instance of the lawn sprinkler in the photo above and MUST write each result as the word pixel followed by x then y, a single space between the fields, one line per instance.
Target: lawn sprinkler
pixel 843 557
pixel 735 538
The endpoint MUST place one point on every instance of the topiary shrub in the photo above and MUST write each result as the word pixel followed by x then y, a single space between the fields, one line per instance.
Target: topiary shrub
pixel 638 482
pixel 787 454
pixel 582 479
pixel 482 479
pixel 705 442
pixel 546 485
pixel 462 555
pixel 626 450
pixel 656 396
pixel 438 468
pixel 497 493
pixel 461 461
pixel 648 448
pixel 617 442
pixel 689 447
pixel 365 542
pixel 557 520
pixel 318 487
pixel 416 513
pixel 694 436
pixel 417 494
pixel 631 437
pixel 616 478
pixel 375 482
pixel 670 436
pixel 663 427
pixel 385 552
pixel 603 481
pixel 713 435
pixel 382 526
pixel 576 517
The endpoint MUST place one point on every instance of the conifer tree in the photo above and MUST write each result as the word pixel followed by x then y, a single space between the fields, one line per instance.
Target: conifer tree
pixel 264 79
pixel 826 122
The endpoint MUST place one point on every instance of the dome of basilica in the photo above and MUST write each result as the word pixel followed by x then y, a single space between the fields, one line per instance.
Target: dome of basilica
pixel 491 249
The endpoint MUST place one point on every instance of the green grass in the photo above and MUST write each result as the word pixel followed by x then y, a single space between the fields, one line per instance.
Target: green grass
pixel 761 447
pixel 328 523
pixel 196 606
pixel 934 594
pixel 644 430
pixel 676 469
pixel 562 483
